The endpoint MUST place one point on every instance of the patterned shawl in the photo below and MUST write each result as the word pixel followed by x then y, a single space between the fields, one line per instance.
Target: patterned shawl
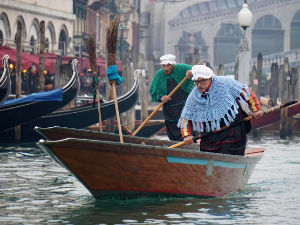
pixel 221 99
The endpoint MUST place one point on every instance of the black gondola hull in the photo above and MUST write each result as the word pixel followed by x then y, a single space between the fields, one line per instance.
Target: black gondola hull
pixel 13 115
pixel 5 82
pixel 78 117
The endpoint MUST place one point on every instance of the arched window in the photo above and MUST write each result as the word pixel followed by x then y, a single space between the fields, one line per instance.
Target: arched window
pixel 47 45
pixel 5 27
pixel 32 44
pixel 295 31
pixel 32 41
pixel 62 41
pixel 23 33
pixel 50 35
pixel 267 36
pixel 226 43
pixel 1 38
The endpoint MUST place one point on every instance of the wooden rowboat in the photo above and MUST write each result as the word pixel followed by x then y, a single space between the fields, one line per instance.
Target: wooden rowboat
pixel 146 167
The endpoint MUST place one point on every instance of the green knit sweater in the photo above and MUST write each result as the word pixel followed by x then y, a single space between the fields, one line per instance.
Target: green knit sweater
pixel 159 88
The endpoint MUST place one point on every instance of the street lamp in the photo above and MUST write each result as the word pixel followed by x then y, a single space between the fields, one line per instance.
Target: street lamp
pixel 245 19
pixel 122 31
pixel 198 51
pixel 191 36
pixel 191 51
pixel 191 48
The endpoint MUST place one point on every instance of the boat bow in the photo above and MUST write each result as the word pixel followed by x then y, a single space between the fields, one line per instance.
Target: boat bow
pixel 5 82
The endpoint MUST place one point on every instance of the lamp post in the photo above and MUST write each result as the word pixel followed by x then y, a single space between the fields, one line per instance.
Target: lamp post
pixel 245 19
pixel 198 51
pixel 191 36
pixel 191 47
pixel 191 50
pixel 122 32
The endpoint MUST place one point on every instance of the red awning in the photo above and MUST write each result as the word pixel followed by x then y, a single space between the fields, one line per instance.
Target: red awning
pixel 27 59
pixel 50 61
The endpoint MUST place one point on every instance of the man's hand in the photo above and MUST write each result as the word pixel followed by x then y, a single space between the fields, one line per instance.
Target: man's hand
pixel 188 140
pixel 165 99
pixel 257 114
pixel 188 74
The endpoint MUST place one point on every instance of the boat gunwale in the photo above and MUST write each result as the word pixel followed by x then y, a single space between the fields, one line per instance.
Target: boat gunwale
pixel 216 156
pixel 58 129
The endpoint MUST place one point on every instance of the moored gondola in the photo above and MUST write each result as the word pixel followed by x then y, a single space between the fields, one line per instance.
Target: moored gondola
pixel 5 82
pixel 23 110
pixel 78 117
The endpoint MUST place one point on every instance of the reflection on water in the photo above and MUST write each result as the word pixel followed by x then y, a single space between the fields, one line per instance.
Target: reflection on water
pixel 35 189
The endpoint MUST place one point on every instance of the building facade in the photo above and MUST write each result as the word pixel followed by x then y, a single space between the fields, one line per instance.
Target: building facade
pixel 275 28
pixel 57 15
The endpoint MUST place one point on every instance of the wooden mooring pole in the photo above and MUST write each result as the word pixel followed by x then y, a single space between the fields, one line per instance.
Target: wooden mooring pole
pixel 274 84
pixel 42 57
pixel 142 86
pixel 284 98
pixel 18 76
pixel 256 84
pixel 128 117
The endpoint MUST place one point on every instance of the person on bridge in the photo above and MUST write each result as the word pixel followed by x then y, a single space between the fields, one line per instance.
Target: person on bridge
pixel 215 102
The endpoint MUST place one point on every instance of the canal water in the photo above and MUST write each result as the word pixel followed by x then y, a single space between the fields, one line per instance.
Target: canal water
pixel 34 189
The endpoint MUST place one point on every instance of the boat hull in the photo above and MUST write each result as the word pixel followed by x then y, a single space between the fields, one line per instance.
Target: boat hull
pixel 147 167
pixel 78 117
pixel 20 113
pixel 274 117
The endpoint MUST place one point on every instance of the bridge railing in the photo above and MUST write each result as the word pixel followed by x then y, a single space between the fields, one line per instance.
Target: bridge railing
pixel 293 55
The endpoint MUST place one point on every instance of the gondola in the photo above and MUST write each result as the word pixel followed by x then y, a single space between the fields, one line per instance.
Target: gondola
pixel 5 82
pixel 23 110
pixel 77 117
pixel 146 167
pixel 274 117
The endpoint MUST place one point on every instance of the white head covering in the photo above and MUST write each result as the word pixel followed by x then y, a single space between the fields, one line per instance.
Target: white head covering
pixel 202 71
pixel 168 59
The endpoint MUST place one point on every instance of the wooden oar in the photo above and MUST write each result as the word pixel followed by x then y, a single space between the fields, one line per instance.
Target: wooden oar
pixel 111 45
pixel 155 111
pixel 117 110
pixel 99 111
pixel 237 123
pixel 91 47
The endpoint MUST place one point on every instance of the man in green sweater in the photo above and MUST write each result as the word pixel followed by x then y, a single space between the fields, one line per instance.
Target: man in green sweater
pixel 164 82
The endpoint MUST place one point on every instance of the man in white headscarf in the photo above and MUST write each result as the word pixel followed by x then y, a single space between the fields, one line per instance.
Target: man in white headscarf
pixel 214 103
pixel 164 82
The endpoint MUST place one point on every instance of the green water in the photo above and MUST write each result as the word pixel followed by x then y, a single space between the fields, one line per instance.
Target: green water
pixel 34 189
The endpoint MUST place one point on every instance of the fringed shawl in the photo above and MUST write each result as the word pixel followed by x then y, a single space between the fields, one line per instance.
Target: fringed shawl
pixel 220 100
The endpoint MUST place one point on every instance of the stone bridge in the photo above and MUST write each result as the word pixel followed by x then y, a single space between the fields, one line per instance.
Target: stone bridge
pixel 293 56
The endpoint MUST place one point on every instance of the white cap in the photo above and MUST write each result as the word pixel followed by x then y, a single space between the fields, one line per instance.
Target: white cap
pixel 168 59
pixel 202 71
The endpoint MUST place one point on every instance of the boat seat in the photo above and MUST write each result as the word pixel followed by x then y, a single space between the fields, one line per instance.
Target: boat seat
pixel 254 151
